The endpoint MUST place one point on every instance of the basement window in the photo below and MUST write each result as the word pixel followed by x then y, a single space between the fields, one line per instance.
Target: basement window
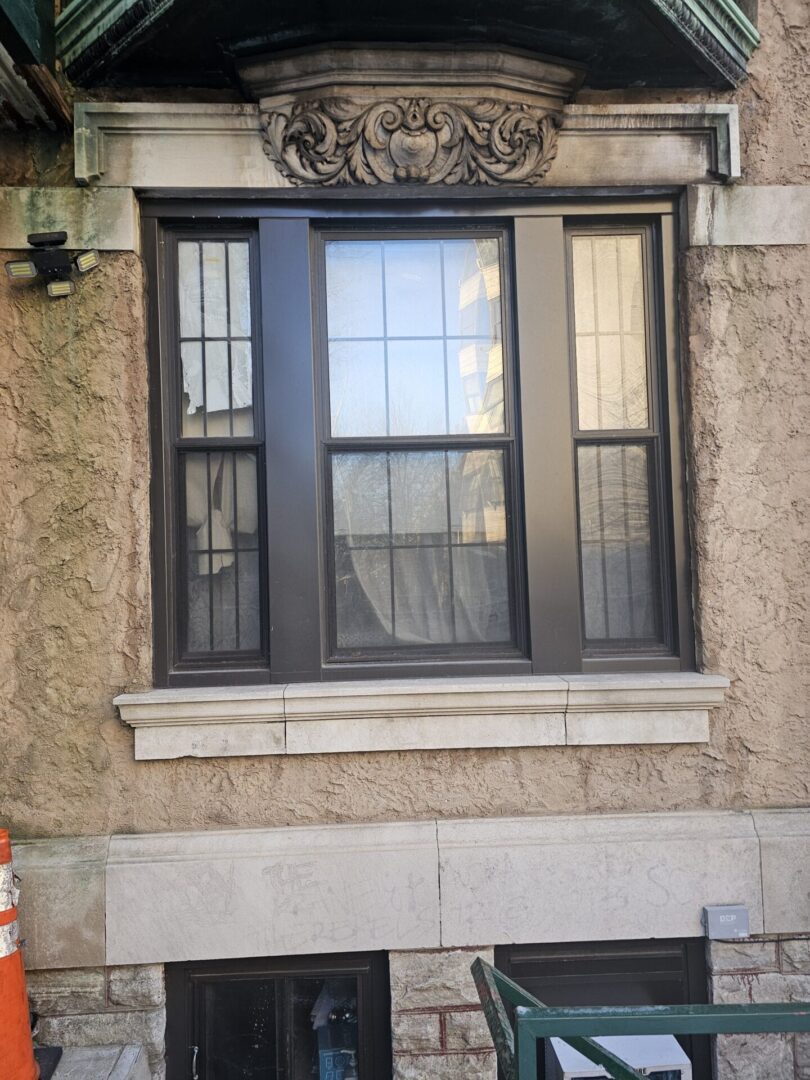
pixel 659 972
pixel 295 1018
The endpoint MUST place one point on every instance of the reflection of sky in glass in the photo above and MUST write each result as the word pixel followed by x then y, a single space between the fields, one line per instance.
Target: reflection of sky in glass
pixel 414 337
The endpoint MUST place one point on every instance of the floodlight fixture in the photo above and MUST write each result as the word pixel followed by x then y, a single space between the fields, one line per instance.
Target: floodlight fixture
pixel 61 287
pixel 50 261
pixel 87 260
pixel 20 269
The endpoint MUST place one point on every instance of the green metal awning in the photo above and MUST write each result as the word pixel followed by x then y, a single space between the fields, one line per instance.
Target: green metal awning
pixel 621 42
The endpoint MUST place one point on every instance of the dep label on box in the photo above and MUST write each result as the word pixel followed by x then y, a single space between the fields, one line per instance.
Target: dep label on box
pixel 726 921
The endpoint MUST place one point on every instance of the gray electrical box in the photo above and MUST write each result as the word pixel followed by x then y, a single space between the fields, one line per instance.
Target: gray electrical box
pixel 660 1057
pixel 726 921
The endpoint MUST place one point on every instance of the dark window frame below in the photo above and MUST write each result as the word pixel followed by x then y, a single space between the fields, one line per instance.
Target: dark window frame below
pixel 547 569
pixel 183 1013
pixel 631 967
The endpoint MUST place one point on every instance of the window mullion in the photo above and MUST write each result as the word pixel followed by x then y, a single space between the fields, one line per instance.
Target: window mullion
pixel 547 456
pixel 293 525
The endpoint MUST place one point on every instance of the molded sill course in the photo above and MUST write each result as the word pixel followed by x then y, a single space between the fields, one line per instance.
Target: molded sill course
pixel 423 714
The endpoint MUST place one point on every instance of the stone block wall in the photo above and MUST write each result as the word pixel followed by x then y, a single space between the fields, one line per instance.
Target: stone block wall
pixel 757 971
pixel 101 1006
pixel 438 1029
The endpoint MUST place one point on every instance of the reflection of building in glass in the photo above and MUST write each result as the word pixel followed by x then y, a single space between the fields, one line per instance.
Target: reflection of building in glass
pixel 480 361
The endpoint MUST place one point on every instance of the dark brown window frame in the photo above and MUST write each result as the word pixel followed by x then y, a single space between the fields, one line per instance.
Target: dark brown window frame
pixel 288 323
pixel 184 1014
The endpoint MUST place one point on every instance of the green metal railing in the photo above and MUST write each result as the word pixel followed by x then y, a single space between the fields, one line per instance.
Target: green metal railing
pixel 517 1048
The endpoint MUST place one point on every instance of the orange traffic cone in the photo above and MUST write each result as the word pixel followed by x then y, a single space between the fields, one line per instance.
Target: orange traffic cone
pixel 16 1048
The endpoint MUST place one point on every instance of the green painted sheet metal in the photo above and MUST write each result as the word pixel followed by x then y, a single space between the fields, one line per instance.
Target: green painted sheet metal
pixel 665 1020
pixel 493 989
pixel 27 30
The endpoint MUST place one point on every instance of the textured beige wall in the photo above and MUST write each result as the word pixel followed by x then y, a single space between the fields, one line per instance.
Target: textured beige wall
pixel 73 478
pixel 74 558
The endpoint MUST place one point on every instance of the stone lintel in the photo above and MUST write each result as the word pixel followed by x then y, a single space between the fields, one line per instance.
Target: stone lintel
pixel 412 885
pixel 174 147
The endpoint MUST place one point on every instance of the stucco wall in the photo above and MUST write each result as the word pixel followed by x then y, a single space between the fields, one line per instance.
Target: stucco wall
pixel 74 483
pixel 74 557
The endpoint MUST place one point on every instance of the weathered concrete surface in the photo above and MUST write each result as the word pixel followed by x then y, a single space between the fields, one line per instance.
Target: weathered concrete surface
pixel 104 1063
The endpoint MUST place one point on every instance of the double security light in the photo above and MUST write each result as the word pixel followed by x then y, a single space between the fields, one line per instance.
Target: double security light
pixel 49 260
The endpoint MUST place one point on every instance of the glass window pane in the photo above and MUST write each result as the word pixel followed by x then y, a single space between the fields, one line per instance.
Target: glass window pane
pixel 357 398
pixel 239 288
pixel 418 498
pixel 240 1030
pixel 481 593
pixel 221 532
pixel 413 288
pixel 477 501
pixel 192 419
pixel 188 288
pixel 621 594
pixel 324 1029
pixel 472 283
pixel 403 524
pixel 217 390
pixel 361 505
pixel 611 347
pixel 214 290
pixel 242 387
pixel 217 370
pixel 475 387
pixel 416 394
pixel 422 596
pixel 354 295
pixel 435 364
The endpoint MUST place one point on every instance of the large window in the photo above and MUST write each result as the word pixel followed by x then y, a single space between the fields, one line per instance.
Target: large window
pixel 388 448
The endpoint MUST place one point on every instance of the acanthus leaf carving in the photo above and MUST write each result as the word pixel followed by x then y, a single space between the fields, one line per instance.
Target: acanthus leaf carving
pixel 340 141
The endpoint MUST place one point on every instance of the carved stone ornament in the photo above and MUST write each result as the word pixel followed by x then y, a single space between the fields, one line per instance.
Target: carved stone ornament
pixel 334 141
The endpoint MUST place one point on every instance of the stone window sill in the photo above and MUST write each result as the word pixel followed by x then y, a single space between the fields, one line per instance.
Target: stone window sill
pixel 423 714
